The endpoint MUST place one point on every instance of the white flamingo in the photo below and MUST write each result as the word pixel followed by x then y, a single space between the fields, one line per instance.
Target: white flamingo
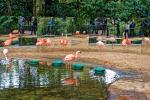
pixel 100 44
pixel 112 39
pixel 6 60
pixel 5 52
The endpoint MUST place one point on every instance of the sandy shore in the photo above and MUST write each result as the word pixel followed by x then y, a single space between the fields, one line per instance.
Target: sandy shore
pixel 134 58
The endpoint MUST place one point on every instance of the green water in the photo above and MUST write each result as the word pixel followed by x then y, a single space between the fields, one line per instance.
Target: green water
pixel 41 82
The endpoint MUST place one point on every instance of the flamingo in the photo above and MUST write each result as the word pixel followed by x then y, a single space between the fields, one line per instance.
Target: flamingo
pixel 84 32
pixel 43 42
pixel 13 36
pixel 69 81
pixel 39 42
pixel 123 40
pixel 126 41
pixel 146 40
pixel 6 61
pixel 112 39
pixel 5 52
pixel 48 42
pixel 77 32
pixel 100 44
pixel 7 42
pixel 63 42
pixel 69 58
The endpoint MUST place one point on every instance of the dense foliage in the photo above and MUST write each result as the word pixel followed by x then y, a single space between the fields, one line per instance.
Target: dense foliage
pixel 86 8
pixel 82 10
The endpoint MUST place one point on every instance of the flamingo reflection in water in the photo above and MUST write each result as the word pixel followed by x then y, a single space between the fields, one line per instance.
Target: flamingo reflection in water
pixel 68 59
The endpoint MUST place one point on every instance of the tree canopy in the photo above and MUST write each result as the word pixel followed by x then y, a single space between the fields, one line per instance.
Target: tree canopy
pixel 123 9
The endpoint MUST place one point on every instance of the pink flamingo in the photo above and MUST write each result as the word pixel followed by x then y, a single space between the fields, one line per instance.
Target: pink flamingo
pixel 70 81
pixel 112 39
pixel 69 58
pixel 63 42
pixel 48 42
pixel 39 42
pixel 7 42
pixel 126 41
pixel 100 44
pixel 123 40
pixel 13 36
pixel 43 42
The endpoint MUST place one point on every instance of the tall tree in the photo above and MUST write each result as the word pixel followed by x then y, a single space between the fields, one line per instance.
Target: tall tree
pixel 9 10
pixel 38 7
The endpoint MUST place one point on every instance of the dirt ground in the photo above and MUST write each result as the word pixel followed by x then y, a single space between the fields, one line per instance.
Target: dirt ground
pixel 133 58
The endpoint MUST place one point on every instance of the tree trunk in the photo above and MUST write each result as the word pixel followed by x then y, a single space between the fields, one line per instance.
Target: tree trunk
pixel 9 11
pixel 34 7
pixel 38 7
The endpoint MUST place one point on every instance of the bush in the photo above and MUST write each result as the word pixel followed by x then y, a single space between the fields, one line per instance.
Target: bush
pixel 7 24
pixel 42 25
pixel 27 41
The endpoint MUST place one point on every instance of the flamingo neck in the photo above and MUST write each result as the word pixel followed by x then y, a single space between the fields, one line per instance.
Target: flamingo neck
pixel 127 36
pixel 123 37
pixel 66 36
pixel 6 58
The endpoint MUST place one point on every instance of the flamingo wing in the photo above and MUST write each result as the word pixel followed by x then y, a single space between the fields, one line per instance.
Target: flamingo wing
pixel 7 42
pixel 69 57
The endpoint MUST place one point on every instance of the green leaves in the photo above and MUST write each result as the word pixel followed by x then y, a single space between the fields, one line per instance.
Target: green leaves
pixel 7 23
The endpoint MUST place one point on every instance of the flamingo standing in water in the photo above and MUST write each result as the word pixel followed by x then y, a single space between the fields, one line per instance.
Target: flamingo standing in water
pixel 5 52
pixel 63 42
pixel 69 58
pixel 6 61
pixel 100 44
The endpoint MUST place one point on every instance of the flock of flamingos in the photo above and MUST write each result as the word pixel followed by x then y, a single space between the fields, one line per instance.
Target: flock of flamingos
pixel 63 42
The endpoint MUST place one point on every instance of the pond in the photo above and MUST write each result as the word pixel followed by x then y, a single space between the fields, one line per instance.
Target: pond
pixel 26 80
